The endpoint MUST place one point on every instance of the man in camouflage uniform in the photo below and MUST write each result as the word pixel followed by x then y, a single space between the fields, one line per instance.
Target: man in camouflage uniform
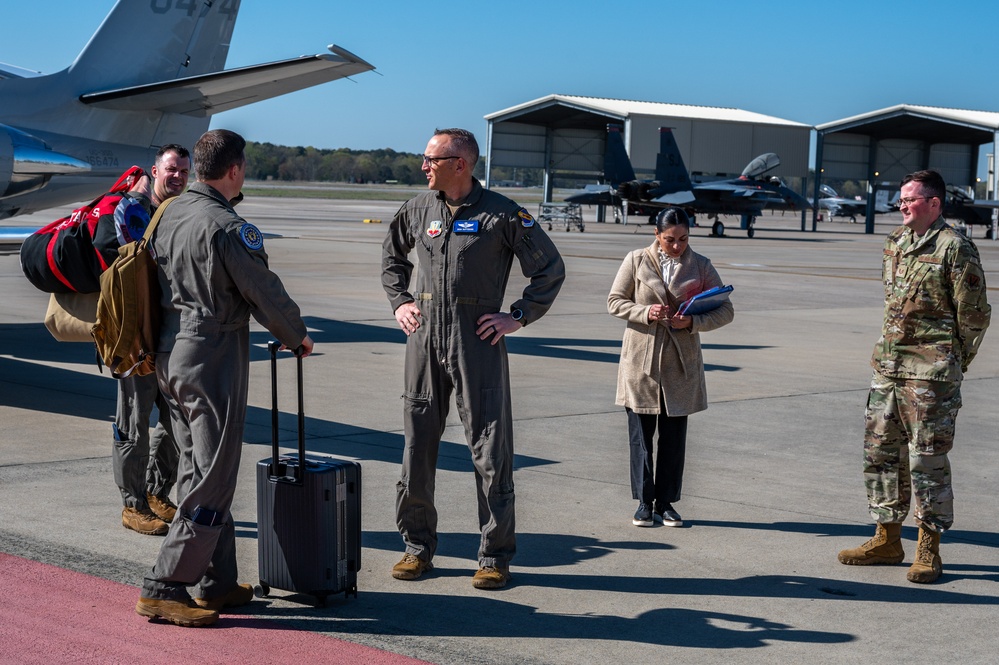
pixel 936 314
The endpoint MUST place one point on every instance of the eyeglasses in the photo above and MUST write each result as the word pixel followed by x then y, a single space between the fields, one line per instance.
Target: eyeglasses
pixel 434 160
pixel 909 200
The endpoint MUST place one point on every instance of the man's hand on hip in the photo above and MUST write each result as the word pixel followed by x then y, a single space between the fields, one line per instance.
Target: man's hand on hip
pixel 496 325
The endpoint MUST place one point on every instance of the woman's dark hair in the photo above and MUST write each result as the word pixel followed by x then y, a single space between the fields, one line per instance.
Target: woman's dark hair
pixel 671 217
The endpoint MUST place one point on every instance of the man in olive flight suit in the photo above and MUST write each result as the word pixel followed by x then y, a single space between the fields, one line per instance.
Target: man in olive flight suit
pixel 213 274
pixel 936 313
pixel 465 238
pixel 145 467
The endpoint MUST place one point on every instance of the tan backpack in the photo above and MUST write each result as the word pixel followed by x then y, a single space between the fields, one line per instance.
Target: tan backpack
pixel 128 310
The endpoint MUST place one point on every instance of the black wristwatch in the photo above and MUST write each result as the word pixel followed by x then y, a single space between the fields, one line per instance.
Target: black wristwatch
pixel 518 316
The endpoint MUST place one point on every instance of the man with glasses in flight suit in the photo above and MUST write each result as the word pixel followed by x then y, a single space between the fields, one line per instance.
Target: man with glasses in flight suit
pixel 465 238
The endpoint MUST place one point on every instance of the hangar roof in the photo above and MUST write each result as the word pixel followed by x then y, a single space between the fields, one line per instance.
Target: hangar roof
pixel 909 121
pixel 566 134
pixel 550 111
pixel 890 142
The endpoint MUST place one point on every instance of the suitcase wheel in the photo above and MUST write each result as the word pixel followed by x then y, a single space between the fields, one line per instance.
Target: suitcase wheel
pixel 261 590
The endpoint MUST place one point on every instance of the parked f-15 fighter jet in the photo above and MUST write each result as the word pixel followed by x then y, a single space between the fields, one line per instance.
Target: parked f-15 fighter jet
pixel 973 212
pixel 746 196
pixel 838 206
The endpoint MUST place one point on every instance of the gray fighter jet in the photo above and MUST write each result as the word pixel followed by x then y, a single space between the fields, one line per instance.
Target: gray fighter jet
pixel 838 206
pixel 746 196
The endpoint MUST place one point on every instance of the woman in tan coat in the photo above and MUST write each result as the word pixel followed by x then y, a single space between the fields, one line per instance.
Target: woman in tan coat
pixel 660 378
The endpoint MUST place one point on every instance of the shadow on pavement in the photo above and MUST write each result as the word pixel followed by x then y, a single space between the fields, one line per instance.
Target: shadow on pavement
pixel 989 539
pixel 488 616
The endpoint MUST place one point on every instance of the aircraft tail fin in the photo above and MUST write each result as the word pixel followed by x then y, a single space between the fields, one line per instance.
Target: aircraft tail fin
pixel 148 42
pixel 886 200
pixel 881 200
pixel 617 164
pixel 671 173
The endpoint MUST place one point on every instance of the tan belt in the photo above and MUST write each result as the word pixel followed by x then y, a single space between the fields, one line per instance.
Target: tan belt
pixel 484 302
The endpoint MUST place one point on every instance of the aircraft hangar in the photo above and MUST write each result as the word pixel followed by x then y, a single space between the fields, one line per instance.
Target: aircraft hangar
pixel 883 146
pixel 566 135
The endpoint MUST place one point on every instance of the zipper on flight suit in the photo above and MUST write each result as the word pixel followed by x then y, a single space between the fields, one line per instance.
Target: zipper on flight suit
pixel 443 307
pixel 445 289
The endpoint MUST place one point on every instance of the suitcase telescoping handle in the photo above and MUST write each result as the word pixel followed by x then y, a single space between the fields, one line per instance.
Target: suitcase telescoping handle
pixel 278 471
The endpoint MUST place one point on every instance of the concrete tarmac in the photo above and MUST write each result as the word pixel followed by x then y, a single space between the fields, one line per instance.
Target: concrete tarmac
pixel 773 485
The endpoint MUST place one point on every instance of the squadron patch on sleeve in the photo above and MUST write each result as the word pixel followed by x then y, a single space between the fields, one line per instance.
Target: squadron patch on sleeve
pixel 525 218
pixel 973 278
pixel 251 236
pixel 130 220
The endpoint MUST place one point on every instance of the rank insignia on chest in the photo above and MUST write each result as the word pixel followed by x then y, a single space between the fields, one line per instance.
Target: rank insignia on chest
pixel 435 229
pixel 251 236
pixel 466 226
pixel 525 218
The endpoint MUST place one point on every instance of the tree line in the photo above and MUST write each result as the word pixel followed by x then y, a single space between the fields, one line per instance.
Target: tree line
pixel 266 161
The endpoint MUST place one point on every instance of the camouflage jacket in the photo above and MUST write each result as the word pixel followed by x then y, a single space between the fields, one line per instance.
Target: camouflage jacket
pixel 936 309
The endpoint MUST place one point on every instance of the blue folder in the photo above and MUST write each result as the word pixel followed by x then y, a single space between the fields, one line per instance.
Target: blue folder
pixel 707 301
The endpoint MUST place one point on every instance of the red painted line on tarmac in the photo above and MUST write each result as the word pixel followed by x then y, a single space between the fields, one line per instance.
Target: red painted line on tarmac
pixel 52 615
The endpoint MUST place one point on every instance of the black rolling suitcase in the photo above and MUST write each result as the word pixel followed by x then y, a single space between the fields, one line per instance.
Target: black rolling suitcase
pixel 308 515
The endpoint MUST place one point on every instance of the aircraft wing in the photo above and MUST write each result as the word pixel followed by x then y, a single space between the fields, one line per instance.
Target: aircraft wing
pixel 844 207
pixel 595 195
pixel 212 93
pixel 723 188
pixel 750 195
pixel 14 236
pixel 676 198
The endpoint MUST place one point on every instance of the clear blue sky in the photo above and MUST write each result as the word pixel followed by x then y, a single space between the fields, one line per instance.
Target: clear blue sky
pixel 450 63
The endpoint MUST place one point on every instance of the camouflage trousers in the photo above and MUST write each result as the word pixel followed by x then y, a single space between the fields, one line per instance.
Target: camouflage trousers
pixel 910 430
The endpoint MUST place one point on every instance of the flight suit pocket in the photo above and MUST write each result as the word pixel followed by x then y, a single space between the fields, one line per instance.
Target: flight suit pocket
pixel 488 412
pixel 531 254
pixel 416 401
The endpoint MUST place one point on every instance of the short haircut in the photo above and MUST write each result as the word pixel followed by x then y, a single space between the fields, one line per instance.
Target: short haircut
pixel 216 152
pixel 671 217
pixel 181 151
pixel 930 182
pixel 463 142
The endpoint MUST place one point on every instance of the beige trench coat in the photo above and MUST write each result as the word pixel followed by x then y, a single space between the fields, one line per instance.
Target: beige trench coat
pixel 655 357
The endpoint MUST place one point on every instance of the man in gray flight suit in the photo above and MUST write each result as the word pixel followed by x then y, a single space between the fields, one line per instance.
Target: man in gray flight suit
pixel 213 274
pixel 145 468
pixel 465 239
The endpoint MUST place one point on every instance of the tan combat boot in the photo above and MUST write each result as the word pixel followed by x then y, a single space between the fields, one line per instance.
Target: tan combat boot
pixel 180 612
pixel 884 547
pixel 927 566
pixel 143 521
pixel 162 507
